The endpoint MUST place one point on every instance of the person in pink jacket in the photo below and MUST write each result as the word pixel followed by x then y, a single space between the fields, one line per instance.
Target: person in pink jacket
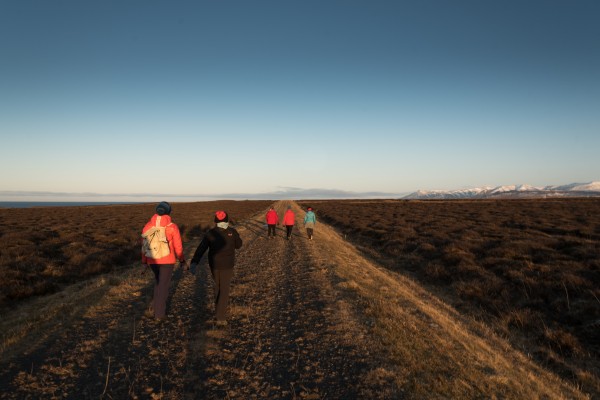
pixel 272 221
pixel 289 218
pixel 163 267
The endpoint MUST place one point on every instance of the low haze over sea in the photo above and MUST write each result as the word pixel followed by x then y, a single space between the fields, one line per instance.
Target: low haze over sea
pixel 28 204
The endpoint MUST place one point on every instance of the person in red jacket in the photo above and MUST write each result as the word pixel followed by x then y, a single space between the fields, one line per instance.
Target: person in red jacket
pixel 272 221
pixel 289 218
pixel 163 267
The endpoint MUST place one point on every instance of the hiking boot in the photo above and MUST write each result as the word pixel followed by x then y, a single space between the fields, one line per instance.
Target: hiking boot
pixel 156 321
pixel 149 312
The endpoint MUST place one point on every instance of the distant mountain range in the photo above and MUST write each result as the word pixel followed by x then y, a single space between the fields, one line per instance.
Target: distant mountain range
pixel 590 189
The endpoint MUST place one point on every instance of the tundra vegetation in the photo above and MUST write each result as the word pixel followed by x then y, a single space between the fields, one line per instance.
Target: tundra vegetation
pixel 47 248
pixel 529 269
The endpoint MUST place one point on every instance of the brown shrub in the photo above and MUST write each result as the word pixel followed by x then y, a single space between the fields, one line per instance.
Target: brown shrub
pixel 562 340
pixel 470 290
pixel 437 271
pixel 453 254
pixel 523 319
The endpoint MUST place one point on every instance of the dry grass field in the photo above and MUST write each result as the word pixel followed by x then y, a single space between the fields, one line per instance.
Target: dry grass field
pixel 47 248
pixel 529 269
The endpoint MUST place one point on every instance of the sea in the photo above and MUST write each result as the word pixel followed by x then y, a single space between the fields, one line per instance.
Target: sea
pixel 29 204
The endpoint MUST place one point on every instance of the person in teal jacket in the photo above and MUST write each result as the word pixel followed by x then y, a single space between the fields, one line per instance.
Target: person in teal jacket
pixel 310 220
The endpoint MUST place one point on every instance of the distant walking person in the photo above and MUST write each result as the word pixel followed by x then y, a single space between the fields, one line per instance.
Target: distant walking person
pixel 161 248
pixel 310 220
pixel 221 243
pixel 289 218
pixel 272 220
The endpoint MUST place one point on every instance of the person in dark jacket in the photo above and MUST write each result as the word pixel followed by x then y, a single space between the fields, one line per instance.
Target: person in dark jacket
pixel 221 243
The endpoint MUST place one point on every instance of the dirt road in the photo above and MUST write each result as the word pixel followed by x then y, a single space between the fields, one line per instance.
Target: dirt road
pixel 290 334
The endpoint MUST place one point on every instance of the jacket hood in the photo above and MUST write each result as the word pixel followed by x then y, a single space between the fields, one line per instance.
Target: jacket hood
pixel 164 219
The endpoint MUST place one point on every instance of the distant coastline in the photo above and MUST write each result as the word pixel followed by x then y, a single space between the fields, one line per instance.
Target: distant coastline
pixel 30 204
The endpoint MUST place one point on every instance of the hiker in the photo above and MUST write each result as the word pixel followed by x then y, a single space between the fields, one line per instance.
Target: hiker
pixel 310 220
pixel 289 218
pixel 221 243
pixel 272 220
pixel 164 263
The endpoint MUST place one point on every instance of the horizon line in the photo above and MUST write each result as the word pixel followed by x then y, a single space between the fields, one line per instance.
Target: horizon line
pixel 284 193
pixel 288 194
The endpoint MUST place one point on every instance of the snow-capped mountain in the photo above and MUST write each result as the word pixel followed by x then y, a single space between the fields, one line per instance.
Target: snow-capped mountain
pixel 512 191
pixel 454 194
pixel 513 188
pixel 592 186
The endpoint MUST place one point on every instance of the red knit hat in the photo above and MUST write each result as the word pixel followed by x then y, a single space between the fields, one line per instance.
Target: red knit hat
pixel 221 216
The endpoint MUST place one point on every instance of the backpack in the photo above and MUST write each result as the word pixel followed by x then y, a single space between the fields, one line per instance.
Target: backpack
pixel 154 241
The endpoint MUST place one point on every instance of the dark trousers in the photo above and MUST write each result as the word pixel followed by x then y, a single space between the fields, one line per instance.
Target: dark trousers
pixel 162 274
pixel 309 232
pixel 271 229
pixel 222 279
pixel 288 230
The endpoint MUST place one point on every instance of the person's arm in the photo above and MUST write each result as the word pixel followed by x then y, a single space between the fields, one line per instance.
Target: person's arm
pixel 177 244
pixel 144 258
pixel 204 245
pixel 238 240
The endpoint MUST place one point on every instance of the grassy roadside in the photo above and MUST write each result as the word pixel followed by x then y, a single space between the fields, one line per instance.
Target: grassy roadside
pixel 37 319
pixel 437 352
pixel 526 268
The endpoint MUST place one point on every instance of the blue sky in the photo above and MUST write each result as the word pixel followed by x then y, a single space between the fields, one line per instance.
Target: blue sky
pixel 244 97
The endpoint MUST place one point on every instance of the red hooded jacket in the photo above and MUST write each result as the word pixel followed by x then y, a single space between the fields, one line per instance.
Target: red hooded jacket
pixel 174 238
pixel 272 217
pixel 289 218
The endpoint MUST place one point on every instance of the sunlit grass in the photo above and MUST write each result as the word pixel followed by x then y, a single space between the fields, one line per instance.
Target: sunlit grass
pixel 528 268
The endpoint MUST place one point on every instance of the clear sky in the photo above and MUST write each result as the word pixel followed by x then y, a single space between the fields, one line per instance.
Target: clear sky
pixel 228 97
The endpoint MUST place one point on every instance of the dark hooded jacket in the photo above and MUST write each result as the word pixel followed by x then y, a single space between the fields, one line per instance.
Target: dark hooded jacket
pixel 221 245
